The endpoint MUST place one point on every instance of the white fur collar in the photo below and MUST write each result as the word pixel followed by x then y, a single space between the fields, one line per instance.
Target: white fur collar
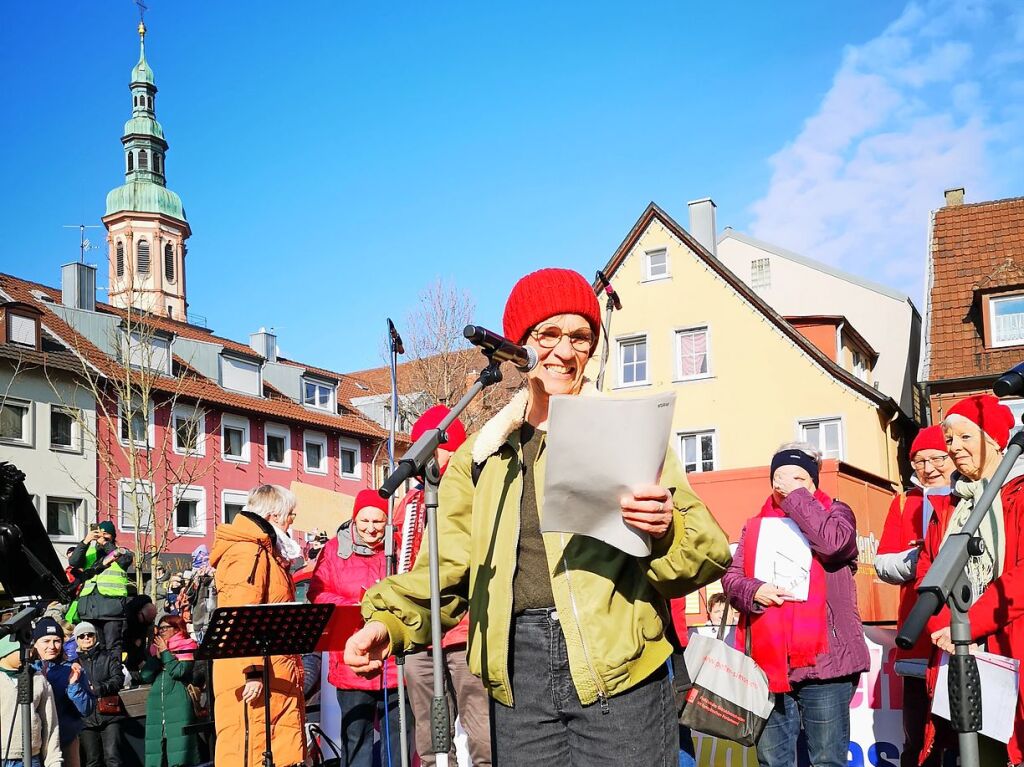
pixel 495 432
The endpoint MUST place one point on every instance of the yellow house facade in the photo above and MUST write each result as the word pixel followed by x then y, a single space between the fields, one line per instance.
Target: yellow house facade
pixel 746 380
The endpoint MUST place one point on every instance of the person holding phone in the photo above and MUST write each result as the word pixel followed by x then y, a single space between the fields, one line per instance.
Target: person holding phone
pixel 105 594
pixel 812 651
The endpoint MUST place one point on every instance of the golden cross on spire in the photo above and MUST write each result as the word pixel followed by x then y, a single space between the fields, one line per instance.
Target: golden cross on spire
pixel 142 25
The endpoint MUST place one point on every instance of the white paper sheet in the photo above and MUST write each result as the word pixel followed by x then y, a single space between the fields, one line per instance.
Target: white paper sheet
pixel 998 693
pixel 783 557
pixel 599 449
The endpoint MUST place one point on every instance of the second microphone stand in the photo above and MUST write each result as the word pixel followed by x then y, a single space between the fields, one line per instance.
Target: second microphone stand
pixel 419 461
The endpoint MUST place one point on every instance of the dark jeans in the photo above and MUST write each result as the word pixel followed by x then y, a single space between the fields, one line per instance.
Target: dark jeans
pixel 823 709
pixel 549 726
pixel 33 762
pixel 360 709
pixel 111 633
pixel 102 746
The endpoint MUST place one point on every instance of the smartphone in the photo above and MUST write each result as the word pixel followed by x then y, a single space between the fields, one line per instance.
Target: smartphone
pixel 94 526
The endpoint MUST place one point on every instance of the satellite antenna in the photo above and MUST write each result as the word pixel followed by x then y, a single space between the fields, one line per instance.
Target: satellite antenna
pixel 84 244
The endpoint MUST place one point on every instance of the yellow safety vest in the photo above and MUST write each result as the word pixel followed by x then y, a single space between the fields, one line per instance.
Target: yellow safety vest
pixel 112 582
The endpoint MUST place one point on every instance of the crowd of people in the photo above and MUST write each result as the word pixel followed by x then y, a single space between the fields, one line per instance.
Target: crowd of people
pixel 556 648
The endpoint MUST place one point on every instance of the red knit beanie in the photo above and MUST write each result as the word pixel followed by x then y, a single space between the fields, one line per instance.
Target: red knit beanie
pixel 548 293
pixel 430 420
pixel 931 438
pixel 369 497
pixel 988 414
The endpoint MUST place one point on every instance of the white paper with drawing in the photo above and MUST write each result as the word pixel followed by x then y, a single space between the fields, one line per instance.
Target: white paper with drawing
pixel 783 557
pixel 599 449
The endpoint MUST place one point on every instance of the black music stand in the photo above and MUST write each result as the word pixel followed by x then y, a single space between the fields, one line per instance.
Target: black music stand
pixel 264 630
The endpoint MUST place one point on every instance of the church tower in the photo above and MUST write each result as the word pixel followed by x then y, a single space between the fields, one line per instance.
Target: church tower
pixel 146 225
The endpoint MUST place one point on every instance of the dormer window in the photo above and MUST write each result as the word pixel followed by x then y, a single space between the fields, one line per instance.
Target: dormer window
pixel 1005 320
pixel 21 325
pixel 143 350
pixel 240 375
pixel 318 394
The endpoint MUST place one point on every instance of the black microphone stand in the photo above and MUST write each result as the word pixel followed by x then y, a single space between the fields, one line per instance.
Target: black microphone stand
pixel 610 305
pixel 19 626
pixel 946 583
pixel 419 461
pixel 396 347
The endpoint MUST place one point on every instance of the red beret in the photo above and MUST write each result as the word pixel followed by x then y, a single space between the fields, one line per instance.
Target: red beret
pixel 931 438
pixel 548 293
pixel 988 414
pixel 431 419
pixel 369 497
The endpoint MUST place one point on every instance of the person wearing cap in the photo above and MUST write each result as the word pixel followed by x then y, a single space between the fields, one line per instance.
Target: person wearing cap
pixel 45 747
pixel 100 737
pixel 896 562
pixel 105 593
pixel 70 685
pixel 977 430
pixel 567 632
pixel 467 698
pixel 352 562
pixel 252 558
pixel 811 649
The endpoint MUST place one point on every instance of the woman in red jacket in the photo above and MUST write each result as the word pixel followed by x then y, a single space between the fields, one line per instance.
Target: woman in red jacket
pixel 349 564
pixel 896 562
pixel 977 430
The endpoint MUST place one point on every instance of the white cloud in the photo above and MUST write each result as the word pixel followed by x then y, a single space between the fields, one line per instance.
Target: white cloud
pixel 928 104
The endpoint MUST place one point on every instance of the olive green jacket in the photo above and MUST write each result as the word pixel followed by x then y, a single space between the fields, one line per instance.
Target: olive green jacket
pixel 612 606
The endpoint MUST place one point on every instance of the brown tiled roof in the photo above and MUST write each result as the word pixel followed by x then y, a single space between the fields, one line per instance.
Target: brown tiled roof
pixel 192 385
pixel 975 248
pixel 30 358
pixel 378 380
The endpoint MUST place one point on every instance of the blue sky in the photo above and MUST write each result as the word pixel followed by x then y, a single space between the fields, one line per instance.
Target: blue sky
pixel 336 158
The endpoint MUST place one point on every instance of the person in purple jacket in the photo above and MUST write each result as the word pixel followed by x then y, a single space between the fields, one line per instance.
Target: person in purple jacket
pixel 811 647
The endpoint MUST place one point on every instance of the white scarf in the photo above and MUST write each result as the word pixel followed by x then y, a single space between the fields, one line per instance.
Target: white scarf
pixel 984 569
pixel 288 548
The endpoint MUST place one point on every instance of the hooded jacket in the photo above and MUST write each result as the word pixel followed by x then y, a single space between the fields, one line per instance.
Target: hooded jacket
pixel 612 607
pixel 344 571
pixel 249 571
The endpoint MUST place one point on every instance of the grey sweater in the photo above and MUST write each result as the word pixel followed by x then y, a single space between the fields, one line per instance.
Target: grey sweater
pixel 45 732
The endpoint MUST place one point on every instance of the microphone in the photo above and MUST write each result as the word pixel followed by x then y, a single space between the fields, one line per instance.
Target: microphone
pixel 609 290
pixel 1010 383
pixel 396 340
pixel 501 349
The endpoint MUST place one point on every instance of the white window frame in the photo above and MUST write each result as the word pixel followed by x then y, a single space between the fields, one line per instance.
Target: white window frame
pixel 802 423
pixel 318 438
pixel 698 434
pixel 332 388
pixel 677 340
pixel 195 493
pixel 75 415
pixel 236 422
pixel 992 303
pixel 347 443
pixel 126 523
pixel 150 427
pixel 133 345
pixel 760 280
pixel 234 497
pixel 189 412
pixel 277 430
pixel 27 438
pixel 630 340
pixel 648 276
pixel 13 320
pixel 81 514
pixel 242 361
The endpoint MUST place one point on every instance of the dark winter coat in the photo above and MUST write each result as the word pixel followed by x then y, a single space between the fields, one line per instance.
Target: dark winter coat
pixel 106 677
pixel 96 605
pixel 169 711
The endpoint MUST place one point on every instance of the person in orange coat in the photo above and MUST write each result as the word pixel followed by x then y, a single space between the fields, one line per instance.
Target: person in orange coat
pixel 252 555
pixel 896 562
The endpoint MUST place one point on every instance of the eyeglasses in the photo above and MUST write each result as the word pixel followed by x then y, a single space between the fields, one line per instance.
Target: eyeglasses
pixel 165 628
pixel 938 462
pixel 550 337
pixel 87 635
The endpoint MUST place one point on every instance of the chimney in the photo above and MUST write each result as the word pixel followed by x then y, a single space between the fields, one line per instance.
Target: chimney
pixel 954 197
pixel 78 286
pixel 264 343
pixel 702 223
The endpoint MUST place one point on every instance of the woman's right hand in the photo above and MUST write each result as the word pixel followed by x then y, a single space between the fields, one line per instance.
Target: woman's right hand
pixel 366 650
pixel 770 596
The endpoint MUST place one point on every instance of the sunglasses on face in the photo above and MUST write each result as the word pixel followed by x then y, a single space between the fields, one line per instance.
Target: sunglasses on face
pixel 87 635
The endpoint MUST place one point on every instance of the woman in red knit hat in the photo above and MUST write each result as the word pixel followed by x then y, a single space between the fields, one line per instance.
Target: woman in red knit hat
pixel 896 562
pixel 350 563
pixel 977 430
pixel 567 632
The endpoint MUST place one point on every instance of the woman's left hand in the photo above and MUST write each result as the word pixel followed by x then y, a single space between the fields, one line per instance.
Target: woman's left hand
pixel 649 509
pixel 159 643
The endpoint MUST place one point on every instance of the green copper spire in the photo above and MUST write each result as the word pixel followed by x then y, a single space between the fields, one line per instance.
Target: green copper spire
pixel 145 189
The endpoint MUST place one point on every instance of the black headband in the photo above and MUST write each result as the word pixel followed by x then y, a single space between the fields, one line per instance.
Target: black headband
pixel 795 458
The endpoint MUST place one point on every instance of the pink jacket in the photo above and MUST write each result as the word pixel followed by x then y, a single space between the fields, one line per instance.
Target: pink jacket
pixel 344 571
